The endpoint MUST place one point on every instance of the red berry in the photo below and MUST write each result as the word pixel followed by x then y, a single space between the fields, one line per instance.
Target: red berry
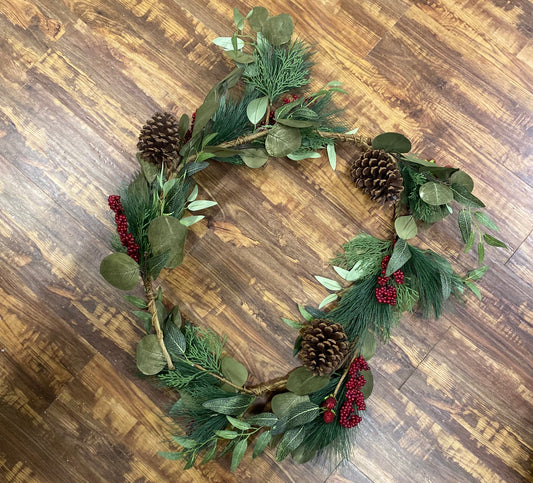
pixel 330 402
pixel 328 416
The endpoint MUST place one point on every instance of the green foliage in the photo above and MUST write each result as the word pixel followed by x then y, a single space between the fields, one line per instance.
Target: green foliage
pixel 278 69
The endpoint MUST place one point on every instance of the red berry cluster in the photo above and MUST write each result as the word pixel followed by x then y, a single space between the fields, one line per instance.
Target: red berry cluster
pixel 354 398
pixel 188 134
pixel 385 292
pixel 329 404
pixel 126 238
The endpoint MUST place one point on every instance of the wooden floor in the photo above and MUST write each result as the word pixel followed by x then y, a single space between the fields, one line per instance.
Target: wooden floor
pixel 453 399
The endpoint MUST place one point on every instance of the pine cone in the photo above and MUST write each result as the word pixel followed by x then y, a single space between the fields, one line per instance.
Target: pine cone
pixel 377 175
pixel 324 346
pixel 159 140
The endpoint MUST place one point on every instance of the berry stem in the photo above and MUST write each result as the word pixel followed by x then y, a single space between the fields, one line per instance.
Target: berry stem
pixel 341 380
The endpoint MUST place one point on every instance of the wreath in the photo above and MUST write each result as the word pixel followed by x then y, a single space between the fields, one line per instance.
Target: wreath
pixel 262 110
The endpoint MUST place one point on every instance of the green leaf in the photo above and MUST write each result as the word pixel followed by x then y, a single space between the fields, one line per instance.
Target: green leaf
pixel 302 381
pixel 120 270
pixel 329 283
pixel 167 234
pixel 171 455
pixel 480 253
pixel 441 172
pixel 174 317
pixel 463 196
pixel 290 441
pixel 256 109
pixel 282 140
pixel 406 227
pixel 191 220
pixel 233 405
pixel 237 423
pixel 144 316
pixel 138 302
pixel 209 455
pixel 368 349
pixel 302 455
pixel 156 263
pixel 193 195
pixel 262 443
pixel 353 131
pixel 485 220
pixel 477 273
pixel 150 359
pixel 227 44
pixel 150 171
pixel 332 156
pixel 183 126
pixel 201 205
pixel 281 403
pixel 493 242
pixel 240 57
pixel 238 453
pixel 297 415
pixel 254 157
pixel 305 314
pixel 263 419
pixel 463 179
pixel 225 434
pixel 278 30
pixel 234 371
pixel 298 123
pixel 464 220
pixel 369 385
pixel 292 323
pixel 472 286
pixel 175 341
pixel 190 461
pixel 301 154
pixel 334 83
pixel 436 193
pixel 343 273
pixel 470 241
pixel 400 255
pixel 238 18
pixel 328 299
pixel 138 189
pixel 257 17
pixel 392 142
pixel 184 442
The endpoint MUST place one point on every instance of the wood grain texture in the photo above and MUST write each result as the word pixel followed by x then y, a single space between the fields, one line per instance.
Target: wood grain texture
pixel 453 398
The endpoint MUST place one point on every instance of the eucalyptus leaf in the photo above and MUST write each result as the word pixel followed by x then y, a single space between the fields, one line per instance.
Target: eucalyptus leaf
pixel 237 423
pixel 484 219
pixel 480 253
pixel 462 178
pixel 234 371
pixel 290 441
pixel 282 403
pixel 343 273
pixel 472 286
pixel 167 234
pixel 436 193
pixel 305 314
pixel 278 30
pixel 238 453
pixel 406 227
pixel 210 454
pixel 292 323
pixel 191 220
pixel 392 142
pixel 233 405
pixel 150 171
pixel 470 241
pixel 301 154
pixel 188 443
pixel 328 299
pixel 150 358
pixel 257 109
pixel 353 131
pixel 198 205
pixel 227 44
pixel 226 434
pixel 254 157
pixel 263 419
pixel 477 273
pixel 400 255
pixel 298 123
pixel 464 220
pixel 183 126
pixel 238 18
pixel 174 317
pixel 493 242
pixel 369 385
pixel 194 194
pixel 463 196
pixel 171 455
pixel 120 270
pixel 282 140
pixel 329 283
pixel 297 415
pixel 261 443
pixel 332 156
pixel 138 302
pixel 240 57
pixel 302 381
pixel 257 18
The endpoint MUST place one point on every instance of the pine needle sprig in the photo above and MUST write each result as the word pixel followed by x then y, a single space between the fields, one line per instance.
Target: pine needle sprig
pixel 365 249
pixel 204 347
pixel 279 69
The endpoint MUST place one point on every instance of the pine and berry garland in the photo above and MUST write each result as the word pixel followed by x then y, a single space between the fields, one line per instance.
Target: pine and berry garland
pixel 316 407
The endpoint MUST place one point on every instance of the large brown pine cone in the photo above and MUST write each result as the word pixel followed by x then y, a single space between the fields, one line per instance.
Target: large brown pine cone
pixel 324 346
pixel 376 173
pixel 159 140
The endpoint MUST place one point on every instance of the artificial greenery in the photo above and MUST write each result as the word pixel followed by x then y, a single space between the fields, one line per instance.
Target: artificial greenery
pixel 261 110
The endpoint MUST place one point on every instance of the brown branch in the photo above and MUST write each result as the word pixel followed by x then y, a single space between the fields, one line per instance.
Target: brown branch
pixel 339 384
pixel 273 385
pixel 150 299
pixel 360 141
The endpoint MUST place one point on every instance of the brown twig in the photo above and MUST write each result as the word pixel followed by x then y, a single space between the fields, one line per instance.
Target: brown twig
pixel 150 299
pixel 339 384
pixel 269 386
pixel 360 141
